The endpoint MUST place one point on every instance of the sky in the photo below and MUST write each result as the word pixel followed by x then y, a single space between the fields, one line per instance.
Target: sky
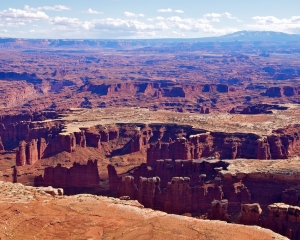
pixel 138 19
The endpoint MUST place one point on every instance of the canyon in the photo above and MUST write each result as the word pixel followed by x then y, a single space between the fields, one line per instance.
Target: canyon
pixel 180 139
pixel 169 166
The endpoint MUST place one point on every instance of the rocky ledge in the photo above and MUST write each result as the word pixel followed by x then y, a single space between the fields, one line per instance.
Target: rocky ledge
pixel 28 213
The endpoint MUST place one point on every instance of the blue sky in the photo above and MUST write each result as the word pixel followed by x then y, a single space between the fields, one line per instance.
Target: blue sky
pixel 144 18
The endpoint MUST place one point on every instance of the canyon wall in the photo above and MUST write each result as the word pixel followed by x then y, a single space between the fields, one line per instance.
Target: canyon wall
pixel 78 176
pixel 280 218
pixel 169 142
pixel 157 89
pixel 180 186
pixel 261 188
pixel 207 188
pixel 160 141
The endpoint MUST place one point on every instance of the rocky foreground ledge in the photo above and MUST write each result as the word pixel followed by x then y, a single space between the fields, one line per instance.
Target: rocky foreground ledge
pixel 44 213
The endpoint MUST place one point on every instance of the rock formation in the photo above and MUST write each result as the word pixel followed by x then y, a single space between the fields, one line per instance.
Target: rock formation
pixel 155 141
pixel 218 210
pixel 78 176
pixel 179 187
pixel 257 109
pixel 287 91
pixel 52 191
pixel 284 219
pixel 193 144
pixel 81 138
pixel 32 152
pixel 29 153
pixel 250 214
pixel 291 196
pixel 21 154
pixel 195 186
pixel 1 145
pixel 113 178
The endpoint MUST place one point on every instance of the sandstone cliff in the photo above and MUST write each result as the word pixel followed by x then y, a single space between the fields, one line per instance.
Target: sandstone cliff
pixel 78 176
pixel 180 186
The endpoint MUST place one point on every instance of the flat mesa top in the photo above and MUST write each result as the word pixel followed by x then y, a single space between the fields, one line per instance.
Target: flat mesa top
pixel 261 124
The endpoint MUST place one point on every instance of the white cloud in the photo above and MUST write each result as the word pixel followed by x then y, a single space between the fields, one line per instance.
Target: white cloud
pixel 124 25
pixel 159 18
pixel 47 8
pixel 91 11
pixel 164 10
pixel 132 25
pixel 178 34
pixel 216 17
pixel 69 22
pixel 272 23
pixel 18 17
pixel 229 16
pixel 212 15
pixel 169 10
pixel 12 13
pixel 131 14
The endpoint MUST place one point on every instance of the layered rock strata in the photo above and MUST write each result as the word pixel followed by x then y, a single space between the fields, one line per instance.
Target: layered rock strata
pixel 208 188
pixel 283 219
pixel 78 176
pixel 179 187
pixel 155 141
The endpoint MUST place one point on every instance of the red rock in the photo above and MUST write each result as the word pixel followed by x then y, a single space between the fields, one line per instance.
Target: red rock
pixel 113 178
pixel 32 152
pixel 218 210
pixel 78 176
pixel 21 154
pixel 127 188
pixel 226 145
pixel 42 146
pixel 274 92
pixel 176 92
pixel 290 91
pixel 283 219
pixel 93 139
pixel 1 145
pixel 174 187
pixel 81 139
pixel 104 136
pixel 62 142
pixel 250 214
pixel 136 143
pixel 291 196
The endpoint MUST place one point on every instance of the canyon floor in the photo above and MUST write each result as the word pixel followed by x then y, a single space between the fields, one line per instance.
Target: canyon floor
pixel 261 124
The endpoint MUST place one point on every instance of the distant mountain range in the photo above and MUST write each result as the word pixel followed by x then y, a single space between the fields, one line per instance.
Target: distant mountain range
pixel 241 36
pixel 250 36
